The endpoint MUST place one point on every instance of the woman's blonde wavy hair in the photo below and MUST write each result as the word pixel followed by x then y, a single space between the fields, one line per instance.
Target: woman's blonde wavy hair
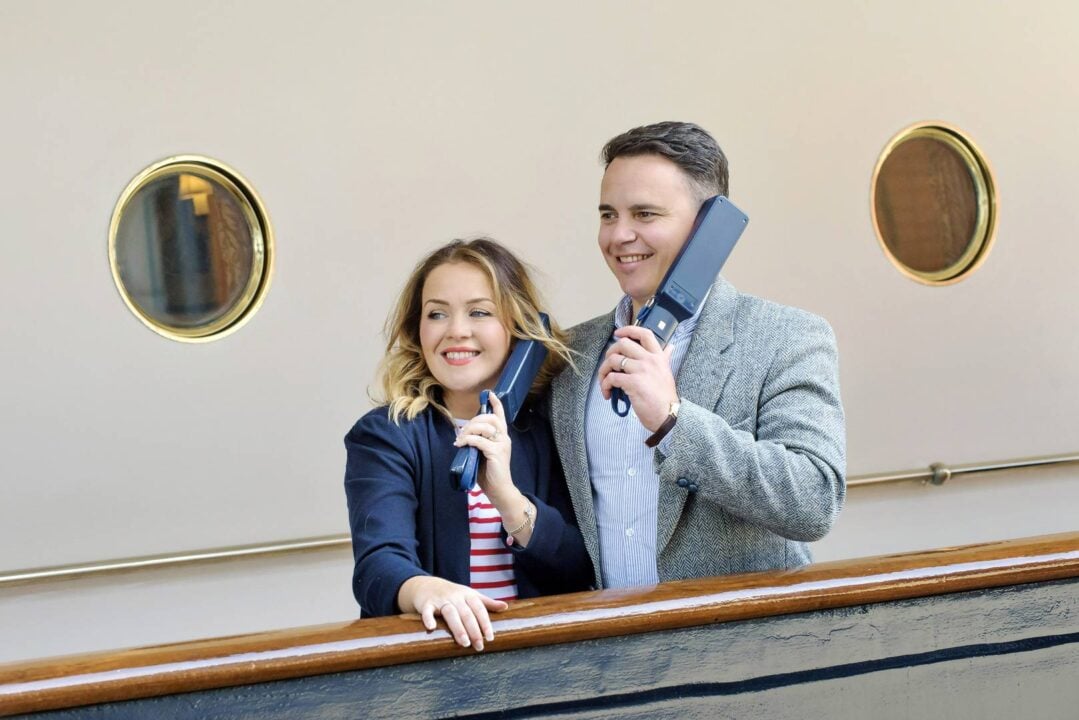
pixel 405 381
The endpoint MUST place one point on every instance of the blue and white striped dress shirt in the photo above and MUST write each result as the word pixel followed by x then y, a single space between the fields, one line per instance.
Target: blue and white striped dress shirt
pixel 625 486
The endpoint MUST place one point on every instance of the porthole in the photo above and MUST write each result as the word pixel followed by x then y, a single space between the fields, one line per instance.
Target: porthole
pixel 933 204
pixel 191 248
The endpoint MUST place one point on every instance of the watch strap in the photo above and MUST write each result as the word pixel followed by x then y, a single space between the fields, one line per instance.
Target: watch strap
pixel 666 427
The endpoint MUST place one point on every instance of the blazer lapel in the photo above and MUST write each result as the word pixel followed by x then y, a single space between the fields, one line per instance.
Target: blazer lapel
pixel 569 394
pixel 450 536
pixel 700 381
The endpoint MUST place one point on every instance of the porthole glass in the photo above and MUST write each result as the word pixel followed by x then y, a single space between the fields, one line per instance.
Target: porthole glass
pixel 190 247
pixel 933 204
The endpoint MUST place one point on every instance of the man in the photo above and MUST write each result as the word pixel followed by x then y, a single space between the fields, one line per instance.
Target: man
pixel 734 455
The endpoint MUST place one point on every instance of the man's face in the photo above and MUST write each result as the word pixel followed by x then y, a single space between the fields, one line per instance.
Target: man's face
pixel 646 210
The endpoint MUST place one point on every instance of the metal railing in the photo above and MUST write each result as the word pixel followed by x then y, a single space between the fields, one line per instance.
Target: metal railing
pixel 939 473
pixel 68 572
pixel 935 474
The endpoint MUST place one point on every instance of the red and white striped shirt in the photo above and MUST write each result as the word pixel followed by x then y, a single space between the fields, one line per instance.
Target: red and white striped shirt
pixel 491 561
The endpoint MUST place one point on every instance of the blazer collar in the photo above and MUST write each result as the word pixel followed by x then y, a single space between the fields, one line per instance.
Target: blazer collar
pixel 700 381
pixel 569 393
pixel 450 532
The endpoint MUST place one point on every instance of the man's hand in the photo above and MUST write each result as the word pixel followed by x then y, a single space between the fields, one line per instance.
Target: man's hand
pixel 645 375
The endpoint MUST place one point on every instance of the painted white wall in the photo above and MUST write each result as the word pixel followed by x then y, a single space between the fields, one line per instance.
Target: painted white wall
pixel 151 607
pixel 376 131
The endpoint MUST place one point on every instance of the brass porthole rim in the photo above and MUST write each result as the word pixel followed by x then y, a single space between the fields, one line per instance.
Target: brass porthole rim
pixel 255 215
pixel 988 205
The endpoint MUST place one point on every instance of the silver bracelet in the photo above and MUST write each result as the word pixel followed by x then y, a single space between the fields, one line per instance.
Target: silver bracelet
pixel 530 521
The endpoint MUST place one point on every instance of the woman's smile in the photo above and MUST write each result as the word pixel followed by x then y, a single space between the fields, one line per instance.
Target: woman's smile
pixel 460 356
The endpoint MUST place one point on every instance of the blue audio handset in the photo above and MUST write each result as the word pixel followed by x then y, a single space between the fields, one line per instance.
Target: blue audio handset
pixel 717 228
pixel 512 390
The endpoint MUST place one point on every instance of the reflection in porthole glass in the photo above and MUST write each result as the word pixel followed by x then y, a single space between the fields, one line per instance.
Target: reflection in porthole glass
pixel 190 248
pixel 934 204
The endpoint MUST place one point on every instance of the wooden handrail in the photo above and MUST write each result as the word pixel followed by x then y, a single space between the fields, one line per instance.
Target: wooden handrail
pixel 123 675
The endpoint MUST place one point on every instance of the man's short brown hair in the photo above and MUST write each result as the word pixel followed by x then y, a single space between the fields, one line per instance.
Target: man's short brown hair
pixel 688 146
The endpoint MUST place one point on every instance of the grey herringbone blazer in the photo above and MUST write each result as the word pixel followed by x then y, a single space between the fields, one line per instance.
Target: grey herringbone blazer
pixel 760 435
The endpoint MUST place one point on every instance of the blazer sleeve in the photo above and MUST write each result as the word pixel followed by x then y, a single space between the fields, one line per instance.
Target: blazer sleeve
pixel 786 473
pixel 380 486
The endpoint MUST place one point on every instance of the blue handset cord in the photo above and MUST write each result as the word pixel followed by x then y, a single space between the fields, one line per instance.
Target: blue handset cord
pixel 619 400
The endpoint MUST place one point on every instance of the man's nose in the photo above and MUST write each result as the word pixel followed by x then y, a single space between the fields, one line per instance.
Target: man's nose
pixel 621 231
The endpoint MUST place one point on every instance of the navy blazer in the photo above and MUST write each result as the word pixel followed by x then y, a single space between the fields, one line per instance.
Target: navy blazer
pixel 407 520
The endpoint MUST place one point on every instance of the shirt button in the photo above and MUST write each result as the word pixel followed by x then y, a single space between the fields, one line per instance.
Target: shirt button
pixel 631 472
pixel 629 532
pixel 682 482
pixel 693 487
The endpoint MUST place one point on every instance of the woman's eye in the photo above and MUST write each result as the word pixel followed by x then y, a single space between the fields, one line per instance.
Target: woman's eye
pixel 480 313
pixel 436 315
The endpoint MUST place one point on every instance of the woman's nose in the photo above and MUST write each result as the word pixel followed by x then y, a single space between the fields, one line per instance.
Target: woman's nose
pixel 459 326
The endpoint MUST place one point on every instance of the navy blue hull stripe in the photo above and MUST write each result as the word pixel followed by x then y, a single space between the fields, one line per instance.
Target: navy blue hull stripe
pixel 770 682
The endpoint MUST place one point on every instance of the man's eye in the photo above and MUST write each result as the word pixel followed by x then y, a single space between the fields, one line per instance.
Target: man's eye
pixel 645 214
pixel 606 216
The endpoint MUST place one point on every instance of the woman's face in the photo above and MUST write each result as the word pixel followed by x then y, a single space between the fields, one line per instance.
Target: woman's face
pixel 463 340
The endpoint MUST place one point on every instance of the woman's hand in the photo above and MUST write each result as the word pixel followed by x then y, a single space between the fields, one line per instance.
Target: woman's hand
pixel 487 433
pixel 464 609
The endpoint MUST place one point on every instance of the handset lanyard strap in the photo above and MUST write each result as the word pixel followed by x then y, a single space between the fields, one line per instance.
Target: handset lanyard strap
pixel 619 400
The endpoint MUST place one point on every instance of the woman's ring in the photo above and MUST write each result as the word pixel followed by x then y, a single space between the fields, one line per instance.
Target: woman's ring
pixel 622 365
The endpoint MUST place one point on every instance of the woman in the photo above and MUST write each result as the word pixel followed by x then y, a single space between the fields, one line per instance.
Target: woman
pixel 420 545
